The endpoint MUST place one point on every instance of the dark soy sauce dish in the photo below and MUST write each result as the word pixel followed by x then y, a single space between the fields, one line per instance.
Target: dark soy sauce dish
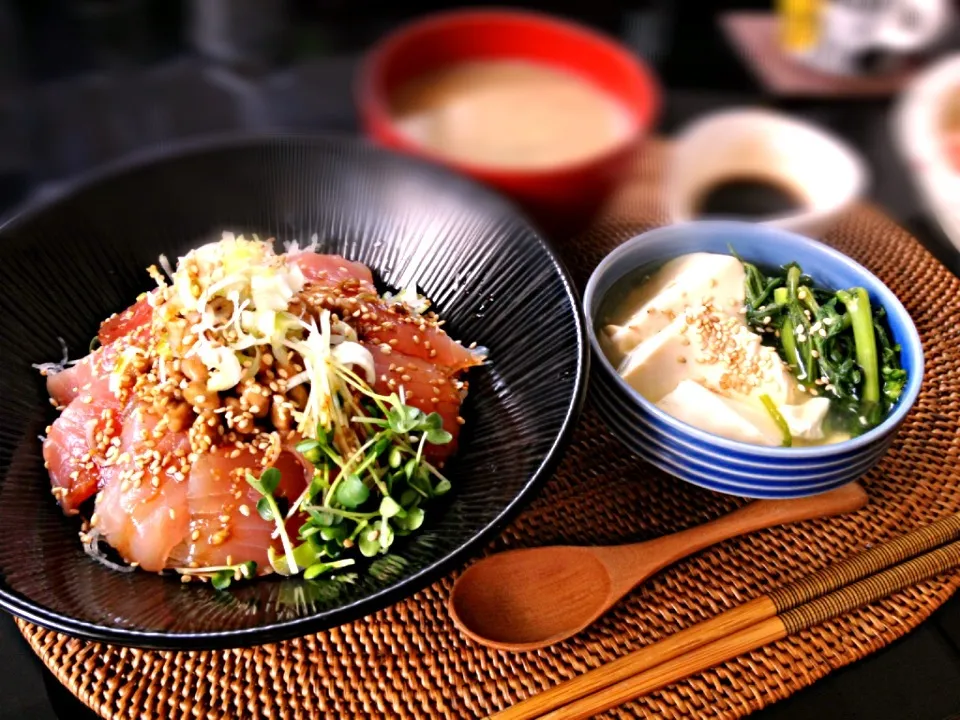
pixel 748 198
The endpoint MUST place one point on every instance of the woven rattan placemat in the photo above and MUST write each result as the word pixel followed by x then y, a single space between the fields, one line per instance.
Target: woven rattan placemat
pixel 409 661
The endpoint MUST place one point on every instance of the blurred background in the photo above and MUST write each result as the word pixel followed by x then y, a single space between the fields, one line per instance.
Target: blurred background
pixel 85 82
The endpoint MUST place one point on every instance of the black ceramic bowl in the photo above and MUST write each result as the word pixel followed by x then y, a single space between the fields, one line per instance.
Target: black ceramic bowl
pixel 70 262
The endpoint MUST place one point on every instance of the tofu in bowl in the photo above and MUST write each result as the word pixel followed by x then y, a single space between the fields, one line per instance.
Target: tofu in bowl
pixel 748 359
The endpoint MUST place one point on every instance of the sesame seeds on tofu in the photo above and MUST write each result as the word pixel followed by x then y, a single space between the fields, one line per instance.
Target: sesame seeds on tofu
pixel 711 345
pixel 723 340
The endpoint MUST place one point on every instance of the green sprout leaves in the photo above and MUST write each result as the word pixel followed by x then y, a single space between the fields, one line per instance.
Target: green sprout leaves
pixel 221 577
pixel 267 483
pixel 351 492
pixel 267 507
pixel 368 483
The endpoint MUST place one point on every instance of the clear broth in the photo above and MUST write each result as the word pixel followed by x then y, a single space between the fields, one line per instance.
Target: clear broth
pixel 619 302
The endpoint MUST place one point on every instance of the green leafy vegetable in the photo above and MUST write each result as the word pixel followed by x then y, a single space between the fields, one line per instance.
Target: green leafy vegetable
pixel 411 521
pixel 894 377
pixel 265 510
pixel 378 488
pixel 221 580
pixel 857 303
pixel 267 484
pixel 352 493
pixel 835 343
pixel 369 545
pixel 390 508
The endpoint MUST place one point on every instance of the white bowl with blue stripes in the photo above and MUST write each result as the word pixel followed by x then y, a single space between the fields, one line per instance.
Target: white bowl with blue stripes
pixel 712 461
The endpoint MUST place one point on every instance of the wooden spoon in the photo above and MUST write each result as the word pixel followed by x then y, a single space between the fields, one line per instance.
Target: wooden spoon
pixel 526 599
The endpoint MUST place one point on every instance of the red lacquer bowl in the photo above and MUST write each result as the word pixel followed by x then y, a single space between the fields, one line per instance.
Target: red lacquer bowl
pixel 563 198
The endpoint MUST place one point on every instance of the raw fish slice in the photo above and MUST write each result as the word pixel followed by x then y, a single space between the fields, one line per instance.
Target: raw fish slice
pixel 124 323
pixel 331 269
pixel 137 521
pixel 225 527
pixel 142 507
pixel 417 338
pixel 425 387
pixel 68 447
pixel 89 376
pixel 378 321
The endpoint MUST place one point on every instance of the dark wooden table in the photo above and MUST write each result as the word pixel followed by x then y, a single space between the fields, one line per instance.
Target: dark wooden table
pixel 916 678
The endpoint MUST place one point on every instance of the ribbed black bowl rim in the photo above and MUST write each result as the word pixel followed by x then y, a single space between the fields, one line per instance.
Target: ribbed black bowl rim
pixel 16 604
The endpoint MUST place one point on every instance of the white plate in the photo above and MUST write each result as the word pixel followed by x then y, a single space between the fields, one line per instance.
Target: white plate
pixel 916 129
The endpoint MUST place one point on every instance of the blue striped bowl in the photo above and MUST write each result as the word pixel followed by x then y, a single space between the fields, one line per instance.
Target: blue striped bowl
pixel 711 461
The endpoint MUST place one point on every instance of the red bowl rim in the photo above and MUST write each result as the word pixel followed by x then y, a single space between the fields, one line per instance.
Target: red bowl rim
pixel 372 103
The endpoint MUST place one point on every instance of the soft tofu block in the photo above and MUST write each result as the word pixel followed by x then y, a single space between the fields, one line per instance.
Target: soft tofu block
pixel 745 421
pixel 806 419
pixel 657 365
pixel 693 404
pixel 617 341
pixel 680 283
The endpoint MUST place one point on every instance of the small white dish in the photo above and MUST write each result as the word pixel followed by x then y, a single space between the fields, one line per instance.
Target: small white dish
pixel 917 129
pixel 762 145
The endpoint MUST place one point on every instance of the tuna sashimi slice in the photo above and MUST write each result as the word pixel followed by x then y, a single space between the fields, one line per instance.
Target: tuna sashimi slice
pixel 142 508
pixel 88 377
pixel 122 324
pixel 159 517
pixel 91 374
pixel 391 323
pixel 416 338
pixel 74 472
pixel 331 269
pixel 425 387
pixel 225 528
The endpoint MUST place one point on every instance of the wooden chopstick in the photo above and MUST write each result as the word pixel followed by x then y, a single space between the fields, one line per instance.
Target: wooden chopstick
pixel 727 624
pixel 765 632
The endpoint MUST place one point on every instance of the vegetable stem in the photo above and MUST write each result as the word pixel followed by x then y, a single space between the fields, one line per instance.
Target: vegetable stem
pixel 807 298
pixel 788 337
pixel 771 406
pixel 342 513
pixel 801 323
pixel 857 303
pixel 793 282
pixel 280 520
pixel 331 492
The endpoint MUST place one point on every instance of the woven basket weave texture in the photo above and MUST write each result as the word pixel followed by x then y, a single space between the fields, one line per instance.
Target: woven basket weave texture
pixel 409 661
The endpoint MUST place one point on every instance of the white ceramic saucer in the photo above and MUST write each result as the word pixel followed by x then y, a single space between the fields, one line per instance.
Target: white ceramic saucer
pixel 759 144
